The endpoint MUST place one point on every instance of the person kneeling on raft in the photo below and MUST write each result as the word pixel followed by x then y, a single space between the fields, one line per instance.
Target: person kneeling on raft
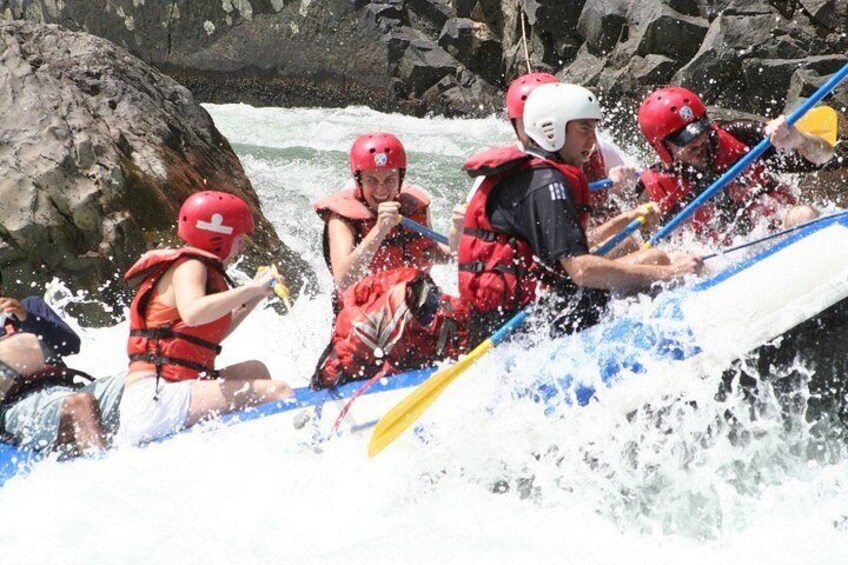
pixel 525 228
pixel 603 161
pixel 694 151
pixel 362 233
pixel 182 311
pixel 44 405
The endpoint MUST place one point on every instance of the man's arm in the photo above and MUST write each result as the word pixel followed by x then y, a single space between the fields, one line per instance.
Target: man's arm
pixel 789 138
pixel 599 272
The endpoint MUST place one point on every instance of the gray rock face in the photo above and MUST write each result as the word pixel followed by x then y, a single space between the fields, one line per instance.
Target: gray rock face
pixel 281 52
pixel 97 152
pixel 456 56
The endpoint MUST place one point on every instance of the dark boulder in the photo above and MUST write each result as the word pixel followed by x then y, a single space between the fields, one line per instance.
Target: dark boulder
pixel 602 24
pixel 475 45
pixel 755 31
pixel 584 69
pixel 832 14
pixel 656 28
pixel 423 64
pixel 98 151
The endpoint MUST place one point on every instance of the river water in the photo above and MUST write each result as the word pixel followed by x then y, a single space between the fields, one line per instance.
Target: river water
pixel 498 481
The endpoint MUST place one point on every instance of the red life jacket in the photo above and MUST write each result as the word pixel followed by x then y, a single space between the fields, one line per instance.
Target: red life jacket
pixel 401 247
pixel 595 169
pixel 757 192
pixel 391 321
pixel 180 352
pixel 498 270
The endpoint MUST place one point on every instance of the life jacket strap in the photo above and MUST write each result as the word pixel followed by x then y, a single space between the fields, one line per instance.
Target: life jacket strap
pixel 161 360
pixel 50 375
pixel 164 332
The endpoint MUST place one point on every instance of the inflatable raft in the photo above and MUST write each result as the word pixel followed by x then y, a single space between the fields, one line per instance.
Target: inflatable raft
pixel 780 286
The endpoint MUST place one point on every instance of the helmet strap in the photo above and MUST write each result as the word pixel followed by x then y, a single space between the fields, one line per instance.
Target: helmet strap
pixel 535 150
pixel 359 192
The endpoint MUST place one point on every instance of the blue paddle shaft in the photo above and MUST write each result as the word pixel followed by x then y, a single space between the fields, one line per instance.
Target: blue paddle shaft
pixel 423 230
pixel 509 327
pixel 594 186
pixel 620 236
pixel 740 165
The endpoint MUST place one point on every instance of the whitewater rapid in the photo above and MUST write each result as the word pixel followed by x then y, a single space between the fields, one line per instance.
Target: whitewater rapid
pixel 498 481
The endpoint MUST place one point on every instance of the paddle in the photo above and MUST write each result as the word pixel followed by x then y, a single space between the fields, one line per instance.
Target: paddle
pixel 403 414
pixel 793 229
pixel 821 122
pixel 749 158
pixel 280 289
pixel 423 230
pixel 620 236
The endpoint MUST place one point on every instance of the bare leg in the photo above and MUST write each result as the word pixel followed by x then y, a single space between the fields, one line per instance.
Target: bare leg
pixel 240 386
pixel 79 424
pixel 798 215
pixel 245 371
pixel 22 352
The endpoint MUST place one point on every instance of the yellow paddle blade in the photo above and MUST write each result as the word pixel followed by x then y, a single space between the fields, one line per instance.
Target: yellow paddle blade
pixel 821 121
pixel 405 412
pixel 280 289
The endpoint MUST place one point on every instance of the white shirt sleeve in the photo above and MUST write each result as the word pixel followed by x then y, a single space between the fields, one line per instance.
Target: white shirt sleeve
pixel 614 156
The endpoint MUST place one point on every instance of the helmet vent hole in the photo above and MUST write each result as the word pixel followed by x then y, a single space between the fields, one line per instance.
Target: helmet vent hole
pixel 674 108
pixel 372 150
pixel 548 130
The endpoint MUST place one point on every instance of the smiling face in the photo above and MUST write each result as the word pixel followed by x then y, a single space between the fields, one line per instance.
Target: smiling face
pixel 580 140
pixel 696 153
pixel 380 185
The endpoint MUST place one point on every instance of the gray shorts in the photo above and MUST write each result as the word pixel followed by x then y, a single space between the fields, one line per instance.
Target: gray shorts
pixel 33 422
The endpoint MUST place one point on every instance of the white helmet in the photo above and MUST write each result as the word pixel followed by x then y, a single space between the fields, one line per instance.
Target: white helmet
pixel 550 107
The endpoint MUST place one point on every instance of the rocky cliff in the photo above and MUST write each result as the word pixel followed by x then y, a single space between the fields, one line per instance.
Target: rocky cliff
pixel 455 56
pixel 98 150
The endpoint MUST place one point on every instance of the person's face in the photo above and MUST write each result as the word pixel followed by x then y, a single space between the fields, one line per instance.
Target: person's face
pixel 518 125
pixel 380 185
pixel 238 241
pixel 580 140
pixel 696 153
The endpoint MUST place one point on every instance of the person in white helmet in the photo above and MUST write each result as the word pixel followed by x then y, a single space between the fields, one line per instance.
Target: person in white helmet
pixel 525 228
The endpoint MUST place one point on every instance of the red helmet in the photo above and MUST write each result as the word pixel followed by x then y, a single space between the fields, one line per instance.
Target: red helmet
pixel 377 150
pixel 211 220
pixel 667 112
pixel 520 89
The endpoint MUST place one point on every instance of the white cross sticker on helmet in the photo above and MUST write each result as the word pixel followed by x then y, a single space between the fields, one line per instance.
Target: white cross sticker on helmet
pixel 216 225
pixel 686 113
pixel 380 159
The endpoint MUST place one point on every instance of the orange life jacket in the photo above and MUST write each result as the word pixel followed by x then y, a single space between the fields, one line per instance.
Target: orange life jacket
pixel 391 321
pixel 755 194
pixel 402 247
pixel 497 270
pixel 178 351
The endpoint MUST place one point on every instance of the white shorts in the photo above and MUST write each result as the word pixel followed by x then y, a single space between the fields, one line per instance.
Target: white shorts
pixel 145 419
